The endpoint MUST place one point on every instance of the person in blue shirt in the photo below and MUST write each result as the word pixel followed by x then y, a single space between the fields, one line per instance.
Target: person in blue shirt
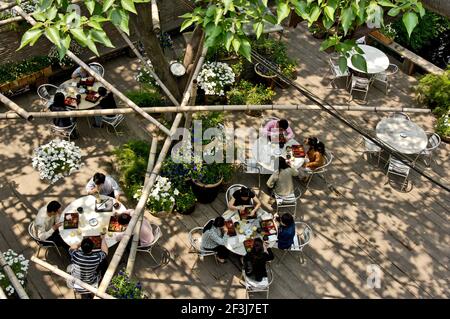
pixel 286 231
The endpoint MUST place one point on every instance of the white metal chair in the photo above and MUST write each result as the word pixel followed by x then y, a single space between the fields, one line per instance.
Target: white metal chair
pixel 64 132
pixel 252 286
pixel 359 84
pixel 113 121
pixel 400 115
pixel 397 167
pixel 372 148
pixel 195 239
pixel 384 77
pixel 302 238
pixel 98 68
pixel 41 243
pixel 46 92
pixel 230 191
pixel 148 248
pixel 320 170
pixel 335 71
pixel 434 140
pixel 77 290
pixel 290 200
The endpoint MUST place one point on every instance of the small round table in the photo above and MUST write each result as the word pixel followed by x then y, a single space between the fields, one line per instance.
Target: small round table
pixel 266 152
pixel 403 135
pixel 235 244
pixel 70 89
pixel 75 236
pixel 377 61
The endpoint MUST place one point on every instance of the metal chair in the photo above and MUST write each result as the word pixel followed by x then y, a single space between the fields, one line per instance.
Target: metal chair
pixel 195 239
pixel 77 290
pixel 359 84
pixel 397 167
pixel 434 140
pixel 372 148
pixel 384 77
pixel 320 170
pixel 41 243
pixel 46 93
pixel 98 68
pixel 288 201
pixel 230 191
pixel 113 121
pixel 64 132
pixel 302 238
pixel 252 286
pixel 148 249
pixel 400 115
pixel 335 70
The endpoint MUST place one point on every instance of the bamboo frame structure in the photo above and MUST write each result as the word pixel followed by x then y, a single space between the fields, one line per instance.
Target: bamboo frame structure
pixel 155 17
pixel 2 294
pixel 12 278
pixel 99 78
pixel 14 107
pixel 67 276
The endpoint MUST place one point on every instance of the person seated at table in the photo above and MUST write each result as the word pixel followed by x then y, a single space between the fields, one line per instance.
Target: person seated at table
pixel 256 259
pixel 107 101
pixel 58 105
pixel 244 197
pixel 46 224
pixel 213 240
pixel 89 265
pixel 281 181
pixel 286 231
pixel 315 155
pixel 81 73
pixel 274 128
pixel 103 185
pixel 145 236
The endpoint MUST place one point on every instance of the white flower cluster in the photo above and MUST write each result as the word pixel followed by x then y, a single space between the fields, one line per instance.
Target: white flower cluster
pixel 143 76
pixel 57 159
pixel 185 154
pixel 214 76
pixel 19 265
pixel 162 193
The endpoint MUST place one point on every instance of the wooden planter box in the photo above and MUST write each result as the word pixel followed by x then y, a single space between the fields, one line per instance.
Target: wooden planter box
pixel 5 87
pixel 380 36
pixel 26 80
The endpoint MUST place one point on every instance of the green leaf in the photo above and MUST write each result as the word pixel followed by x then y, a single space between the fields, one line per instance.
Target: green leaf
pixel 394 12
pixel 120 18
pixel 347 17
pixel 359 62
pixel 51 13
pixel 327 43
pixel 45 4
pixel 422 11
pixel 52 34
pixel 228 5
pixel 228 38
pixel 236 44
pixel 264 3
pixel 270 18
pixel 329 12
pixel 282 11
pixel 314 14
pixel 327 23
pixel 186 15
pixel 91 45
pixel 386 3
pixel 90 5
pixel 128 5
pixel 30 37
pixel 101 37
pixel 245 49
pixel 94 24
pixel 300 9
pixel 219 16
pixel 39 16
pixel 211 11
pixel 106 5
pixel 410 20
pixel 342 64
pixel 186 24
pixel 79 35
pixel 63 46
pixel 258 28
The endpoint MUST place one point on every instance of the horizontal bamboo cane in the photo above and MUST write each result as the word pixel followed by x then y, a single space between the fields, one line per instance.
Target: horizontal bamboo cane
pixel 14 107
pixel 12 278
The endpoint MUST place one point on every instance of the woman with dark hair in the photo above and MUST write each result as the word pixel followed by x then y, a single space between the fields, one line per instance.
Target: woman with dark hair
pixel 59 106
pixel 281 181
pixel 213 240
pixel 315 153
pixel 255 260
pixel 106 102
pixel 146 236
pixel 286 231
pixel 244 197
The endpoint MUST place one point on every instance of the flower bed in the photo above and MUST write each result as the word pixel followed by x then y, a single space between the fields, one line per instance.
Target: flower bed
pixel 121 287
pixel 214 77
pixel 19 266
pixel 162 196
pixel 57 159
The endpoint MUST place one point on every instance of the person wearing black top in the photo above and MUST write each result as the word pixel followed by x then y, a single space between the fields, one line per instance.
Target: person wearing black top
pixel 256 259
pixel 59 106
pixel 106 102
pixel 244 197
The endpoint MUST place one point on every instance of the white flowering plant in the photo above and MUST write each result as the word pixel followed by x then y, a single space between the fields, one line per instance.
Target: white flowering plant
pixel 161 197
pixel 214 77
pixel 57 159
pixel 144 77
pixel 19 266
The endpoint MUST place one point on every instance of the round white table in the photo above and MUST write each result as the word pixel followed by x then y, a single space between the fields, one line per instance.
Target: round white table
pixel 377 60
pixel 402 134
pixel 266 153
pixel 235 244
pixel 70 89
pixel 75 236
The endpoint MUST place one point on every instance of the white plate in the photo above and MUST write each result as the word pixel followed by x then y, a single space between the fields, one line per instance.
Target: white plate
pixel 277 152
pixel 93 222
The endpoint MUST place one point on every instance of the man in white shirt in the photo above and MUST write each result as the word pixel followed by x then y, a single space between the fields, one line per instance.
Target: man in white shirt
pixel 103 185
pixel 46 224
pixel 79 73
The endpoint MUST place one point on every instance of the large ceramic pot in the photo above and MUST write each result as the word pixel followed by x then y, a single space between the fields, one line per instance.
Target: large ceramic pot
pixel 206 193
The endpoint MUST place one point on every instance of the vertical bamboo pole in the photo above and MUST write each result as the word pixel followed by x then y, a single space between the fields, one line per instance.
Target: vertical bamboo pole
pixel 12 278
pixel 2 294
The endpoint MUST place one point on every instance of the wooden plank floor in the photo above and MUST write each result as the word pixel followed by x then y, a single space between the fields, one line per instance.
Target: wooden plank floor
pixel 358 221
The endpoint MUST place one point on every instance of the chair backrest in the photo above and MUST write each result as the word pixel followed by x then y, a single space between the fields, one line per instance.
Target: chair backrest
pixel 392 69
pixel 32 233
pixel 98 68
pixel 252 285
pixel 195 239
pixel 231 190
pixel 400 115
pixel 328 159
pixel 434 140
pixel 47 91
pixel 304 234
pixel 113 120
pixel 397 166
pixel 357 80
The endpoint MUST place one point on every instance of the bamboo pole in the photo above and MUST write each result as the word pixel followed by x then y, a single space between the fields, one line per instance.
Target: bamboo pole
pixel 99 78
pixel 10 20
pixel 73 279
pixel 2 294
pixel 148 66
pixel 155 17
pixel 14 107
pixel 211 108
pixel 137 230
pixel 12 278
pixel 7 5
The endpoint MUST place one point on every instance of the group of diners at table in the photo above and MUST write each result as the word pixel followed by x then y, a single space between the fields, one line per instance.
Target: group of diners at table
pixel 88 238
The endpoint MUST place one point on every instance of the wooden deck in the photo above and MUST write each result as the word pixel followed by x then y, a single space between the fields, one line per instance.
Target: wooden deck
pixel 359 221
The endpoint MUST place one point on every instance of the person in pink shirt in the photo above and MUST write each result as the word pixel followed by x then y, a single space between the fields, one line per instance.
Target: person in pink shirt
pixel 274 128
pixel 146 236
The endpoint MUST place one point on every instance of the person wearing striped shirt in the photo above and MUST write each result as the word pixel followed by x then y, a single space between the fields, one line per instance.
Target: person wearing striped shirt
pixel 87 263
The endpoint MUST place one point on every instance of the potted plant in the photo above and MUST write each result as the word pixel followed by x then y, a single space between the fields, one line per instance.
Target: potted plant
pixel 443 127
pixel 19 266
pixel 121 287
pixel 206 181
pixel 185 202
pixel 161 200
pixel 213 79
pixel 385 35
pixel 246 93
pixel 266 74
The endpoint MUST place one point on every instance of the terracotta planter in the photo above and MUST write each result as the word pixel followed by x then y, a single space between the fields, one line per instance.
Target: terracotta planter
pixel 47 71
pixel 269 79
pixel 380 36
pixel 163 214
pixel 206 193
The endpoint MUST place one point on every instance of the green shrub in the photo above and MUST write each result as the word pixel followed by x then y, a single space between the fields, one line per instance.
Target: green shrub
pixel 246 93
pixel 185 201
pixel 434 90
pixel 146 98
pixel 443 125
pixel 12 71
pixel 122 287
